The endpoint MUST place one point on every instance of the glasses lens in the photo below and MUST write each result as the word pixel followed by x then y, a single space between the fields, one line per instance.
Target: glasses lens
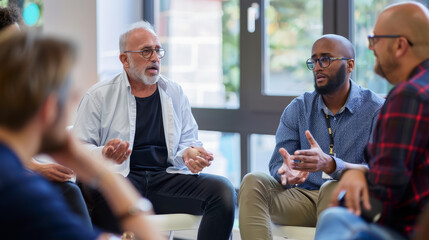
pixel 310 64
pixel 147 53
pixel 160 52
pixel 324 62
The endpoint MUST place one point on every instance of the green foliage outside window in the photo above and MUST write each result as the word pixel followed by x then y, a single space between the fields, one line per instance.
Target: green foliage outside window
pixel 292 26
pixel 230 47
pixel 366 13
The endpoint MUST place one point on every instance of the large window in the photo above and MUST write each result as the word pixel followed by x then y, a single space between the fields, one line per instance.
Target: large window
pixel 365 15
pixel 261 150
pixel 292 26
pixel 226 149
pixel 201 40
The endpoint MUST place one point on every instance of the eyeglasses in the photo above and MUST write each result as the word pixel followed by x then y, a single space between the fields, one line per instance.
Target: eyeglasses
pixel 148 52
pixel 372 39
pixel 324 62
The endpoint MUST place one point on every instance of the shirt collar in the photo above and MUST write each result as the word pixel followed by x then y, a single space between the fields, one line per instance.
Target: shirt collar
pixel 351 104
pixel 421 67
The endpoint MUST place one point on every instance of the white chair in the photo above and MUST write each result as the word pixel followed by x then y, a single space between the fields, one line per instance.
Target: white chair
pixel 294 232
pixel 175 222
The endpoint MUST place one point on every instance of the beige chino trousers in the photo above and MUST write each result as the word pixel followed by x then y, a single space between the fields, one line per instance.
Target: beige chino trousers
pixel 263 199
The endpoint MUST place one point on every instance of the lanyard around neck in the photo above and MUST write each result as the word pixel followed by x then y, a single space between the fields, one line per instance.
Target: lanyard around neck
pixel 331 137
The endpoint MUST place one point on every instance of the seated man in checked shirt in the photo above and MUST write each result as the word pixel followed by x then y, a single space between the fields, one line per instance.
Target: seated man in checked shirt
pixel 398 175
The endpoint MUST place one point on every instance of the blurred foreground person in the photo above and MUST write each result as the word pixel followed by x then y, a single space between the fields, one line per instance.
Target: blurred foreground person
pixel 34 95
pixel 60 176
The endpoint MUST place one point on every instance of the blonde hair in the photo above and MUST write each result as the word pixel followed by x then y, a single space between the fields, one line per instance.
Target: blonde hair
pixel 32 67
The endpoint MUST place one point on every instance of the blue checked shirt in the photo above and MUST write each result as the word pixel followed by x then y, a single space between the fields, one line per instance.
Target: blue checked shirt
pixel 351 126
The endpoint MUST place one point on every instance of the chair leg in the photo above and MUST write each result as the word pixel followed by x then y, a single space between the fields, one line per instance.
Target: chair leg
pixel 171 235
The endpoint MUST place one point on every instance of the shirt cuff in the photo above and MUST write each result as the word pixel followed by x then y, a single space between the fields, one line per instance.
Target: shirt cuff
pixel 95 150
pixel 178 161
pixel 340 165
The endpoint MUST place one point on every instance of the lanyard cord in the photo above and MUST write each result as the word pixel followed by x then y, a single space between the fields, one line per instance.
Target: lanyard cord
pixel 331 137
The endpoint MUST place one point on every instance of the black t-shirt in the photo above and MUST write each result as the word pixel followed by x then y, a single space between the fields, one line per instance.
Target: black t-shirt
pixel 149 150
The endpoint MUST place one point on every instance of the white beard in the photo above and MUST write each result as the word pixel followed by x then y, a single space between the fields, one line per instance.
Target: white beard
pixel 147 80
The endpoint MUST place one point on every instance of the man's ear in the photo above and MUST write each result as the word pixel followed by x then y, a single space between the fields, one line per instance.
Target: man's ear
pixel 401 47
pixel 49 110
pixel 123 57
pixel 350 65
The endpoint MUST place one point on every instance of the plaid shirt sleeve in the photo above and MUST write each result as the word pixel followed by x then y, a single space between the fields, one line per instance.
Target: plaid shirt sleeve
pixel 398 153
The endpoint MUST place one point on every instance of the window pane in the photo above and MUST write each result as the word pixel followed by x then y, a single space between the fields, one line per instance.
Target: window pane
pixel 261 150
pixel 366 13
pixel 201 38
pixel 226 150
pixel 292 26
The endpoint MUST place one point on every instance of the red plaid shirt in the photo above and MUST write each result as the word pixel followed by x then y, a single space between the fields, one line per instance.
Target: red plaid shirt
pixel 399 153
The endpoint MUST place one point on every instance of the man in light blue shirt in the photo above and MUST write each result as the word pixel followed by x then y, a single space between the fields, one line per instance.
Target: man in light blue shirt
pixel 325 130
pixel 143 125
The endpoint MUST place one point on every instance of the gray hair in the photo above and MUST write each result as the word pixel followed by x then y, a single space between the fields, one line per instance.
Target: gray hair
pixel 140 24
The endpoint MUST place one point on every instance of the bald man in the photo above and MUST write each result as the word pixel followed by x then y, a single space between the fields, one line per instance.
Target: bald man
pixel 398 175
pixel 320 134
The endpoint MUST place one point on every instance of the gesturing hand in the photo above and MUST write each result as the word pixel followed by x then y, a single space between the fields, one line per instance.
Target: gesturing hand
pixel 287 174
pixel 197 158
pixel 117 150
pixel 313 159
pixel 353 182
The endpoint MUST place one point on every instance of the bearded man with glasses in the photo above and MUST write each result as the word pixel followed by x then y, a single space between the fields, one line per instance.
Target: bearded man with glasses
pixel 142 124
pixel 320 134
pixel 398 155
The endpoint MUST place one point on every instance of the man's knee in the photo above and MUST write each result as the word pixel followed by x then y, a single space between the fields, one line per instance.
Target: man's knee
pixel 70 190
pixel 255 180
pixel 327 188
pixel 325 194
pixel 255 183
pixel 223 189
pixel 333 216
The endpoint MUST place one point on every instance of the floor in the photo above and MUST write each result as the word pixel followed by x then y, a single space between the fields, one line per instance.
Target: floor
pixel 192 234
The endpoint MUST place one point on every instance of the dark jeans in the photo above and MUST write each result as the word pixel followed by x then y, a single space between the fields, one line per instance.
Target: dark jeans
pixel 209 195
pixel 74 198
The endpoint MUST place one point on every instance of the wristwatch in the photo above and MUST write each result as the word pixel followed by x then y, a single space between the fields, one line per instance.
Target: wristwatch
pixel 141 206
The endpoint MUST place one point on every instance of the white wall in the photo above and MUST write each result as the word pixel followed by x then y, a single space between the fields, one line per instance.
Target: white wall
pixel 113 17
pixel 95 26
pixel 75 20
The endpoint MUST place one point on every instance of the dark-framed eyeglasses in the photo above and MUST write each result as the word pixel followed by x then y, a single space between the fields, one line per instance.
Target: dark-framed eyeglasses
pixel 372 39
pixel 324 62
pixel 148 52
